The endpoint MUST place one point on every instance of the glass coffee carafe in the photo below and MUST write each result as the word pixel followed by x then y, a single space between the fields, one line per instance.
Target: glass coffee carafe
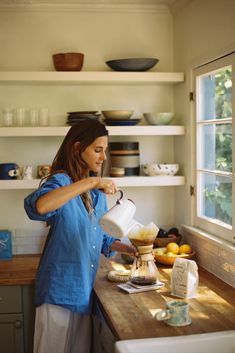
pixel 144 271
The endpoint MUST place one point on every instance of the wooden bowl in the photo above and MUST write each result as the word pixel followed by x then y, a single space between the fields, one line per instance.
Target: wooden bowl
pixel 68 61
pixel 162 242
pixel 169 260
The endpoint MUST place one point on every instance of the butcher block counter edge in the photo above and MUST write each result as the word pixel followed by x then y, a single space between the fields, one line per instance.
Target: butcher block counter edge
pixel 19 270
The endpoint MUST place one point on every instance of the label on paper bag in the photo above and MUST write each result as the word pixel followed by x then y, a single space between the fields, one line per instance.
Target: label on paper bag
pixel 184 279
pixel 5 245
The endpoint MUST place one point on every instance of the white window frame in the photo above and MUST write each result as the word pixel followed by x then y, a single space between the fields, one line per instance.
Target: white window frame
pixel 212 226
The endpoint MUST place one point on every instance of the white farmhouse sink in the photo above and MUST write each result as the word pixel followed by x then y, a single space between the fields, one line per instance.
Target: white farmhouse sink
pixel 215 342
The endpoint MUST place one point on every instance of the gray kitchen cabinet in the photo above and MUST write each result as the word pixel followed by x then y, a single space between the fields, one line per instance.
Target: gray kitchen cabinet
pixel 29 317
pixel 11 333
pixel 16 319
pixel 103 337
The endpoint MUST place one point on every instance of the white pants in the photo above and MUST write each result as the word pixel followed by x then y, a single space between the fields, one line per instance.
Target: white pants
pixel 59 330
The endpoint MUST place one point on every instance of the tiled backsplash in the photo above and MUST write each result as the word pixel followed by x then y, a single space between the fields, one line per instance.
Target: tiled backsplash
pixel 25 241
pixel 217 257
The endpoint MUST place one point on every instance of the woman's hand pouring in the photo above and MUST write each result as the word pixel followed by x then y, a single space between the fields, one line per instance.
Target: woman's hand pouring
pixel 107 186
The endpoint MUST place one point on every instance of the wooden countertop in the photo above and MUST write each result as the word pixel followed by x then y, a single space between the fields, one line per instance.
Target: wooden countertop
pixel 21 269
pixel 131 316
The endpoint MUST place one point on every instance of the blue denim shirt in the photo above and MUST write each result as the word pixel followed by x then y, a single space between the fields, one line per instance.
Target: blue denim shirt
pixel 70 261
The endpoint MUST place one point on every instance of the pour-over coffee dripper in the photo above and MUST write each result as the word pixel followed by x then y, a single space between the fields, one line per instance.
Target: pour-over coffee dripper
pixel 144 271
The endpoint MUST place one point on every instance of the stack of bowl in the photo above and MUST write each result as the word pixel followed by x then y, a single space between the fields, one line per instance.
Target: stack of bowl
pixel 74 117
pixel 119 117
pixel 125 155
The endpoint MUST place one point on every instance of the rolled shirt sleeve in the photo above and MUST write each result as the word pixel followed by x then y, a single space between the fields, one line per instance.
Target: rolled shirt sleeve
pixel 30 201
pixel 107 242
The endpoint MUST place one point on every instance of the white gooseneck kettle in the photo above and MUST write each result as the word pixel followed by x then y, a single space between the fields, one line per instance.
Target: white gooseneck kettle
pixel 118 221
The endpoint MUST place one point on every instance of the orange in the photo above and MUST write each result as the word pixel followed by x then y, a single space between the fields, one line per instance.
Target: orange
pixel 173 248
pixel 185 249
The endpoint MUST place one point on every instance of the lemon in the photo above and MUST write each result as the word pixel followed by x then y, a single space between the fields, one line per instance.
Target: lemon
pixel 173 248
pixel 170 254
pixel 185 249
pixel 159 251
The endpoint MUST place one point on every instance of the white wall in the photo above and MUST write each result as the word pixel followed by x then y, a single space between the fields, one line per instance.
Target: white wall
pixel 203 31
pixel 30 36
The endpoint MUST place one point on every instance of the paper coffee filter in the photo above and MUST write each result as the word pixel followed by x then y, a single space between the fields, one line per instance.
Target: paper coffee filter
pixel 144 233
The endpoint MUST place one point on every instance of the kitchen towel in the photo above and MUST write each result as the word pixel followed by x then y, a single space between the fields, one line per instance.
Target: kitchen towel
pixel 5 245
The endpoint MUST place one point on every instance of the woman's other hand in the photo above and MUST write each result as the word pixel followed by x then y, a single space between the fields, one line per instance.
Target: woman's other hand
pixel 124 248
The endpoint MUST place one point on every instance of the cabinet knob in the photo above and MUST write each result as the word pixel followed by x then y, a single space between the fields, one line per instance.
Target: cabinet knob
pixel 18 324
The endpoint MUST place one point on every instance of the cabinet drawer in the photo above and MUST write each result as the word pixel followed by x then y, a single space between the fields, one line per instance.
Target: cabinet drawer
pixel 11 333
pixel 103 337
pixel 10 299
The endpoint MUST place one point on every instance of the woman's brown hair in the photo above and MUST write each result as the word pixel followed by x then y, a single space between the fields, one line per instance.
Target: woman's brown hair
pixel 68 158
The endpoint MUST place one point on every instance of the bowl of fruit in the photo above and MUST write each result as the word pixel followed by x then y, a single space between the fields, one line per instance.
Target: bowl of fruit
pixel 165 237
pixel 171 252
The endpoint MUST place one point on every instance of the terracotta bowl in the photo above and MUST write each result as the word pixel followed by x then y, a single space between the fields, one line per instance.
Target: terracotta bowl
pixel 68 61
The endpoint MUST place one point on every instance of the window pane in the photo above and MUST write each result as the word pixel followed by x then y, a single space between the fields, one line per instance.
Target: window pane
pixel 216 95
pixel 216 147
pixel 216 198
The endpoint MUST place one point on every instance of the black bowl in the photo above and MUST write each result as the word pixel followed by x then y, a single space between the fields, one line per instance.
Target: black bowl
pixel 82 116
pixel 84 112
pixel 135 64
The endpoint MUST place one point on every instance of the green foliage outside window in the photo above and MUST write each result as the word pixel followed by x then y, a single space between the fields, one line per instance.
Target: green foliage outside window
pixel 221 196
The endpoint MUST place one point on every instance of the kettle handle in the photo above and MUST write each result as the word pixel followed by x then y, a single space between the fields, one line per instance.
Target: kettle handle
pixel 118 202
pixel 121 196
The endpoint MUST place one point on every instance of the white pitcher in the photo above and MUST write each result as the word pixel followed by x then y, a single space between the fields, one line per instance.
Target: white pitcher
pixel 118 221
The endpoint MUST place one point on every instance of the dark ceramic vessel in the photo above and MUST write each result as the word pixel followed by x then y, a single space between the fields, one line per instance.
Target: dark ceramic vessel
pixel 135 64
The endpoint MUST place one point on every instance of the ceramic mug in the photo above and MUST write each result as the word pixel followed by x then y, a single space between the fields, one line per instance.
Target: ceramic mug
pixel 175 314
pixel 44 170
pixel 26 172
pixel 9 171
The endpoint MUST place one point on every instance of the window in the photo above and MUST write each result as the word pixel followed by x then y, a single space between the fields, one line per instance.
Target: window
pixel 215 147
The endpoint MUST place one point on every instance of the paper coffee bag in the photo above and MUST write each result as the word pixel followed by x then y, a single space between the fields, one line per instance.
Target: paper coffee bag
pixel 184 279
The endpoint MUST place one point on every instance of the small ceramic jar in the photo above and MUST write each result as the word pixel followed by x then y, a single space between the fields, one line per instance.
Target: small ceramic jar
pixel 117 172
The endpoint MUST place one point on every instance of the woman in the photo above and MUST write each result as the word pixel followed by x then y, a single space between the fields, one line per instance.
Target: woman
pixel 72 200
